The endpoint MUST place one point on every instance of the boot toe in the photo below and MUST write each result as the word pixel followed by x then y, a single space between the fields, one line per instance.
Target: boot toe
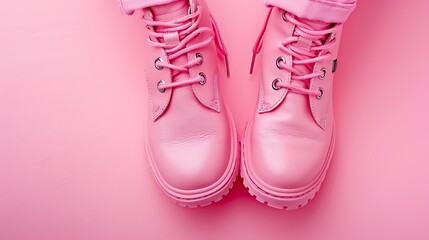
pixel 288 164
pixel 195 163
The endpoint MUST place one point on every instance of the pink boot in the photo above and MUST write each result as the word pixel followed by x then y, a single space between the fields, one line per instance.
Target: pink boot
pixel 288 144
pixel 191 141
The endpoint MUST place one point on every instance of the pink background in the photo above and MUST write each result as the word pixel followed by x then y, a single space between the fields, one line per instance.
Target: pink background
pixel 72 163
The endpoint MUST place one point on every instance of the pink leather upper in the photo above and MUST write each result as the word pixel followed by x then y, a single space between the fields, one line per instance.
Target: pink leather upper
pixel 190 145
pixel 290 134
pixel 189 132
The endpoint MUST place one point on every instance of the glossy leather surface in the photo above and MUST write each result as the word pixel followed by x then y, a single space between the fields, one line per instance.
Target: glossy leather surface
pixel 190 135
pixel 289 138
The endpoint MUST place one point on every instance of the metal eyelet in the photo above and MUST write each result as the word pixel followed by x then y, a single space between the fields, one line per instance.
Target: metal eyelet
pixel 324 73
pixel 274 84
pixel 284 16
pixel 155 63
pixel 321 93
pixel 278 60
pixel 204 78
pixel 199 55
pixel 161 90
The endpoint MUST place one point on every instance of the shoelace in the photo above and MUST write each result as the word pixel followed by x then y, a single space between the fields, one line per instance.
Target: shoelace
pixel 187 28
pixel 300 56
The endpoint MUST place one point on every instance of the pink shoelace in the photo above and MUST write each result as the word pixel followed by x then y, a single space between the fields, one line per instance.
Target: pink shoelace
pixel 185 29
pixel 300 56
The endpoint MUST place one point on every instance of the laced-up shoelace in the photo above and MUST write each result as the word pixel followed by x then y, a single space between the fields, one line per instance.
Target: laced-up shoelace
pixel 300 56
pixel 187 29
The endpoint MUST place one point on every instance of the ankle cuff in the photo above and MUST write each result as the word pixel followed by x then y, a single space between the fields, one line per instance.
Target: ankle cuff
pixel 129 6
pixel 318 10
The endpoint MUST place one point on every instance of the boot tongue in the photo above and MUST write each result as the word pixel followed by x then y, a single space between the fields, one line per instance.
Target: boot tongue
pixel 306 43
pixel 317 25
pixel 169 12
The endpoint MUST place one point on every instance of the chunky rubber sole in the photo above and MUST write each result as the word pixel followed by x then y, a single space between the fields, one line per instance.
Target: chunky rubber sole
pixel 292 202
pixel 216 191
pixel 214 197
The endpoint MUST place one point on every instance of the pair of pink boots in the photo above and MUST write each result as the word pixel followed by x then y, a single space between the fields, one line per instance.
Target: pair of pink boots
pixel 191 140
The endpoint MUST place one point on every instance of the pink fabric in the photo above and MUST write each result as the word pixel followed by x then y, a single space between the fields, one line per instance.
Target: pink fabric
pixel 129 6
pixel 320 10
